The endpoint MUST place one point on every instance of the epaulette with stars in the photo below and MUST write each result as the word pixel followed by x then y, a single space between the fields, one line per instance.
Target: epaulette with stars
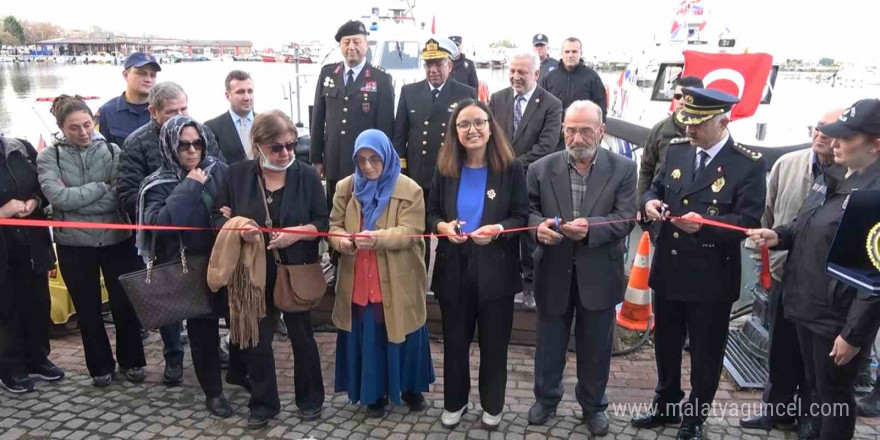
pixel 745 151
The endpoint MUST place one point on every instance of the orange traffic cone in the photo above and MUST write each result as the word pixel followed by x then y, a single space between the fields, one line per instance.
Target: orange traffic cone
pixel 636 312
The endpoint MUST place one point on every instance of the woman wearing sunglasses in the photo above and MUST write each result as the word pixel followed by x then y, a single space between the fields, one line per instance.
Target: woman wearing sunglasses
pixel 296 202
pixel 181 193
pixel 479 189
pixel 382 348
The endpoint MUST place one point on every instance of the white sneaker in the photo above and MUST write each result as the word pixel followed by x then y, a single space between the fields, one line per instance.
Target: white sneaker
pixel 491 422
pixel 452 419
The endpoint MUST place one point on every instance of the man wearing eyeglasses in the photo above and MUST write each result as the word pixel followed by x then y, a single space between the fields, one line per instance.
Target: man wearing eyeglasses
pixel 423 115
pixel 665 131
pixel 580 200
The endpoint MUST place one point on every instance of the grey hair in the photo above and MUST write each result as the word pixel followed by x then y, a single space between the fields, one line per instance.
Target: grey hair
pixel 533 59
pixel 719 118
pixel 164 91
pixel 584 105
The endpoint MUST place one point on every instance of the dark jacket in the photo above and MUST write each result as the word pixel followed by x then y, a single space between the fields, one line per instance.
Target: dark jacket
pixel 465 72
pixel 539 128
pixel 18 180
pixel 598 259
pixel 304 202
pixel 140 157
pixel 420 127
pixel 572 85
pixel 705 266
pixel 655 150
pixel 496 264
pixel 824 305
pixel 117 119
pixel 548 65
pixel 227 136
pixel 338 118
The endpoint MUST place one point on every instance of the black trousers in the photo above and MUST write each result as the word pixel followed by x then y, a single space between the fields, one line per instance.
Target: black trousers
pixel 331 191
pixel 24 317
pixel 787 382
pixel 308 381
pixel 707 325
pixel 461 315
pixel 836 402
pixel 81 268
pixel 204 340
pixel 594 330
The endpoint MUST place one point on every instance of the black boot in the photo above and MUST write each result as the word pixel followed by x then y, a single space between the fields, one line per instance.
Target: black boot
pixel 869 406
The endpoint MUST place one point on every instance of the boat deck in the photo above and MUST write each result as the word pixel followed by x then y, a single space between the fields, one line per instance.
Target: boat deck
pixel 73 409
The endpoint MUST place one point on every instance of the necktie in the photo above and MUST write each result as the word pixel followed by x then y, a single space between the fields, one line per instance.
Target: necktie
pixel 517 112
pixel 245 134
pixel 435 93
pixel 704 158
pixel 349 82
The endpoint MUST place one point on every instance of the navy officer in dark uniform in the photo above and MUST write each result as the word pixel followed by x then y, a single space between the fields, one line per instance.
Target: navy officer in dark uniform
pixel 122 115
pixel 352 96
pixel 463 69
pixel 423 115
pixel 696 268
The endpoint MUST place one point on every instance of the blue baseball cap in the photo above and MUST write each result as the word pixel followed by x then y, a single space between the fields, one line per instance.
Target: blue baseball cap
pixel 140 59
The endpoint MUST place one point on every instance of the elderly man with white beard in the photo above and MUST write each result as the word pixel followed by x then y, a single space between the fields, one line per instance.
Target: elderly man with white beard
pixel 577 198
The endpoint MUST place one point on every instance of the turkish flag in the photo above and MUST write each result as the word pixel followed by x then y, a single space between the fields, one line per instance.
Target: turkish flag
pixel 741 75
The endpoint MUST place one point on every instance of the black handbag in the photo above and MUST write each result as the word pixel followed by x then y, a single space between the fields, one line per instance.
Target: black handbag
pixel 169 292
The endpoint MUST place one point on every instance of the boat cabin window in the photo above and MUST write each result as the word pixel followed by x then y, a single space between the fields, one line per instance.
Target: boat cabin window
pixel 399 55
pixel 664 86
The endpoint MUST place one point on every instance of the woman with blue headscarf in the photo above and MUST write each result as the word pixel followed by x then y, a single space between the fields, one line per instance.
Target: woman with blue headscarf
pixel 382 348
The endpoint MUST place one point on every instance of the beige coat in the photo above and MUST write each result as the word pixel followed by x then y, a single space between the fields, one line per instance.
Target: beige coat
pixel 401 260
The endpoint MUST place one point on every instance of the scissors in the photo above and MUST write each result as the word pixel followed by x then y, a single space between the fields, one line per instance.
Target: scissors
pixel 457 227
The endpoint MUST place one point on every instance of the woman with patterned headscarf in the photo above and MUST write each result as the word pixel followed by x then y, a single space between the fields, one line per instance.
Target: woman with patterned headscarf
pixel 382 348
pixel 181 193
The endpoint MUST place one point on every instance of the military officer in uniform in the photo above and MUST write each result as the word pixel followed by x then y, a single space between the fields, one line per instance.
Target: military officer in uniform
pixel 423 114
pixel 696 269
pixel 463 69
pixel 352 96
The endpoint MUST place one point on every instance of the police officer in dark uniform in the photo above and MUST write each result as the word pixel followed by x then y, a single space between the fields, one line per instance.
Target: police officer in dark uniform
pixel 423 115
pixel 548 63
pixel 696 269
pixel 463 69
pixel 352 96
pixel 122 115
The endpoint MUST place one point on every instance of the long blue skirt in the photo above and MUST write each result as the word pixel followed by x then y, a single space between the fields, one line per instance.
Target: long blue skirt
pixel 369 367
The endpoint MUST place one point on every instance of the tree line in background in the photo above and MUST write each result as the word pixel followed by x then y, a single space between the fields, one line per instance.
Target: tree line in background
pixel 15 32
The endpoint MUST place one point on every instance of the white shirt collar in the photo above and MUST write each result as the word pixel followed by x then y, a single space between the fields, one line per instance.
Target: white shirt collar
pixel 439 89
pixel 526 95
pixel 356 69
pixel 715 148
pixel 237 119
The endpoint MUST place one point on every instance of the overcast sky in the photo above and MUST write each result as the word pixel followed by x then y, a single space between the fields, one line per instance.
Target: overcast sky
pixel 839 29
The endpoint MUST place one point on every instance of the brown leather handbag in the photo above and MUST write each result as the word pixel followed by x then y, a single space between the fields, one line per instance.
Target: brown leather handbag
pixel 298 287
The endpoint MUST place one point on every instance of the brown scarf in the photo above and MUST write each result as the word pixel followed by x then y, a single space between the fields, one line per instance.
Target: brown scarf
pixel 240 266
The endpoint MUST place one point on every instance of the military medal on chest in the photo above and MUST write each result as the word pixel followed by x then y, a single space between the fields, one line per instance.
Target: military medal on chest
pixel 718 184
pixel 676 174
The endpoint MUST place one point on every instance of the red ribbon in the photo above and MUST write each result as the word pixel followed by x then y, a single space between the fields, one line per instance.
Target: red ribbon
pixel 765 258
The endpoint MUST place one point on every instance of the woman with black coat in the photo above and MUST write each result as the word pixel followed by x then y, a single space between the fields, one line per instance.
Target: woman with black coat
pixel 26 256
pixel 296 202
pixel 836 323
pixel 181 193
pixel 479 189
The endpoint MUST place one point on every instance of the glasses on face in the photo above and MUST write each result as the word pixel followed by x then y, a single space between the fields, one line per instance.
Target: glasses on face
pixel 479 124
pixel 278 148
pixel 585 132
pixel 677 96
pixel 374 161
pixel 198 144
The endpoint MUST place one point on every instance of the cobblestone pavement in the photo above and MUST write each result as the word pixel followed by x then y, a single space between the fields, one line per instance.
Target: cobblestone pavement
pixel 73 409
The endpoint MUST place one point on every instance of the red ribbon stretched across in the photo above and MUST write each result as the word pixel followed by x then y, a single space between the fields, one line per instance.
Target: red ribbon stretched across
pixel 765 259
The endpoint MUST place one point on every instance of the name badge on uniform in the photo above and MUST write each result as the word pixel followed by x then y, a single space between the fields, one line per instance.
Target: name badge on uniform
pixel 718 184
pixel 366 107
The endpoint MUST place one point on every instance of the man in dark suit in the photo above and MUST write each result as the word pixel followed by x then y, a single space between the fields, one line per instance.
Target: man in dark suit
pixel 696 269
pixel 531 118
pixel 352 96
pixel 579 264
pixel 233 127
pixel 423 115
